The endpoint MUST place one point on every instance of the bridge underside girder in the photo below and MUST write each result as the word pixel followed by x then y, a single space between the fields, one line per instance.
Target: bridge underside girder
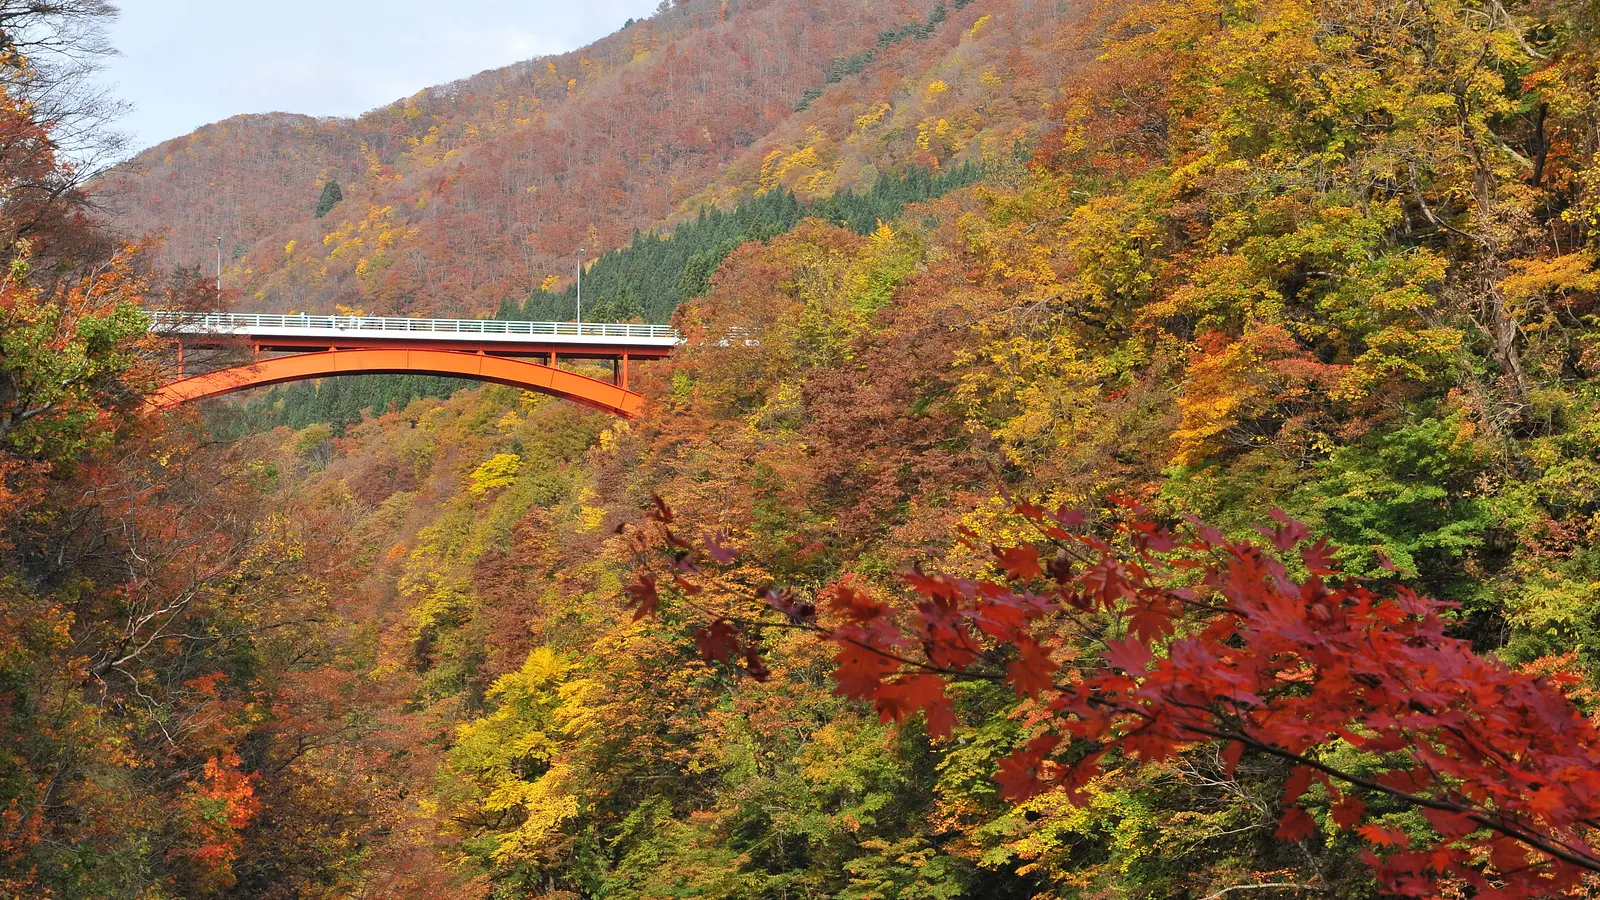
pixel 518 373
pixel 533 348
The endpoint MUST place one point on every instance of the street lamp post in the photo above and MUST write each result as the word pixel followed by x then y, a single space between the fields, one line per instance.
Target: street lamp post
pixel 581 252
pixel 219 273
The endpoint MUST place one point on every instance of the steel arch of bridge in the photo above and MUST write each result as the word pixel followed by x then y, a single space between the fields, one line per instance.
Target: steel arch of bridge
pixel 518 373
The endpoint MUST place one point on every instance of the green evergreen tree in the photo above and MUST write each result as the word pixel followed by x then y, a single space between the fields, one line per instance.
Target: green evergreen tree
pixel 331 197
pixel 621 306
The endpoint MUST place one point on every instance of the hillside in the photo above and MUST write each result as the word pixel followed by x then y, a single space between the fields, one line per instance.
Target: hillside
pixel 1162 463
pixel 238 177
pixel 472 193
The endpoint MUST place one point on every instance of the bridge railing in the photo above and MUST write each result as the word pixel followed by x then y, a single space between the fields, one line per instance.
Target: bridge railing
pixel 245 323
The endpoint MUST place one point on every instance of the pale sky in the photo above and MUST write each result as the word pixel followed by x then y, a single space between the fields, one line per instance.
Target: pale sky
pixel 186 63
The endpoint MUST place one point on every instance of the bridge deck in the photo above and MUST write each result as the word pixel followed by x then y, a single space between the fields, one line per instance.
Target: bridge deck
pixel 307 332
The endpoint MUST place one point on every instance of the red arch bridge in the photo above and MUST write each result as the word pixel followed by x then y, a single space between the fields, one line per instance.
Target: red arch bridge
pixel 520 354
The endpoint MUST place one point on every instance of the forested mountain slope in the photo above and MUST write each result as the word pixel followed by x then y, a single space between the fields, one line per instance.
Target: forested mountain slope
pixel 239 177
pixel 1330 263
pixel 1170 307
pixel 477 192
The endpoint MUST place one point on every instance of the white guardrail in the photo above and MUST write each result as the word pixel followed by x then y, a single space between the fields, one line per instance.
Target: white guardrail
pixel 173 322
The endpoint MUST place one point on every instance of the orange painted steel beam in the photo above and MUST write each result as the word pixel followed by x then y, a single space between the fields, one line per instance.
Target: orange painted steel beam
pixel 518 373
pixel 465 344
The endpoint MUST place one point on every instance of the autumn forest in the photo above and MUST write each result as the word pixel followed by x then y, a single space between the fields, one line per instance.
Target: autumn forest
pixel 1116 449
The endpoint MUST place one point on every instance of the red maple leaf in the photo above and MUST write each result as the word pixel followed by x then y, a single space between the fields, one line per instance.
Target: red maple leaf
pixel 855 605
pixel 1068 517
pixel 1031 672
pixel 1231 755
pixel 784 601
pixel 644 596
pixel 1349 812
pixel 860 671
pixel 1382 836
pixel 1152 537
pixel 1026 773
pixel 1450 824
pixel 1147 623
pixel 754 665
pixel 662 512
pixel 1287 533
pixel 899 699
pixel 1080 774
pixel 1319 558
pixel 723 555
pixel 718 642
pixel 1299 780
pixel 932 586
pixel 1021 563
pixel 1130 655
pixel 1295 825
pixel 1106 580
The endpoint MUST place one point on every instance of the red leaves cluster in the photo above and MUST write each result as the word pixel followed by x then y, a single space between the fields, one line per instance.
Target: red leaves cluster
pixel 1220 641
pixel 721 640
pixel 220 806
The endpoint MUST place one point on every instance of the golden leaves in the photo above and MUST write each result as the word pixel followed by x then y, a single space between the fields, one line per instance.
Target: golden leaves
pixel 1569 273
pixel 498 472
